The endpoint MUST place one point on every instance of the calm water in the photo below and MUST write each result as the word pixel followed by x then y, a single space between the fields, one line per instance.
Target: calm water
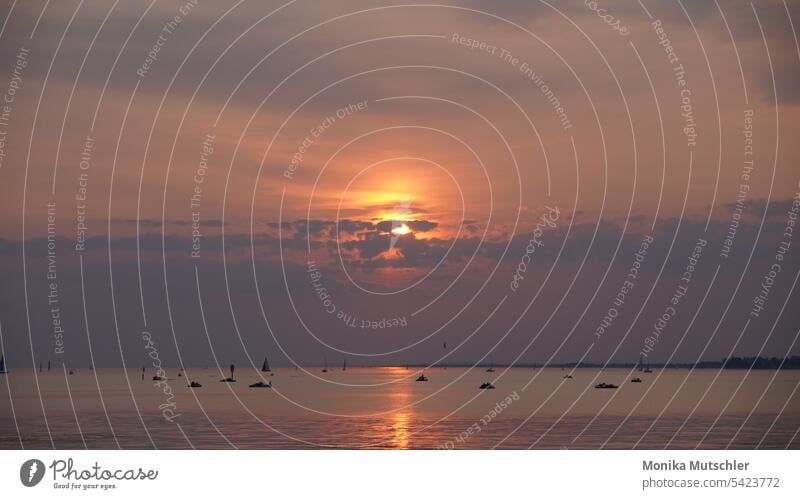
pixel 386 408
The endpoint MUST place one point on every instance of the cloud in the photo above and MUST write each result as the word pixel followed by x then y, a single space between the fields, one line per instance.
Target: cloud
pixel 414 225
pixel 152 223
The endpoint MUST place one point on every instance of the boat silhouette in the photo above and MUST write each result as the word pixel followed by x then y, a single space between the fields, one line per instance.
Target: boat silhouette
pixel 325 364
pixel 636 380
pixel 265 366
pixel 491 366
pixel 605 385
pixel 422 377
pixel 486 386
pixel 195 384
pixel 230 379
pixel 3 369
pixel 261 384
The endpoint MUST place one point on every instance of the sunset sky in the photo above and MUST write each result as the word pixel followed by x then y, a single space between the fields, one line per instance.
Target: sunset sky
pixel 260 178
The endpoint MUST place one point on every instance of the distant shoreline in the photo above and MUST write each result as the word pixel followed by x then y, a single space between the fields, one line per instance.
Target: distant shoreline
pixel 733 363
pixel 760 363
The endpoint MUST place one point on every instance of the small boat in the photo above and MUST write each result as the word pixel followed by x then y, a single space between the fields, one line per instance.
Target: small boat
pixel 325 364
pixel 344 365
pixel 265 366
pixel 487 386
pixel 158 378
pixel 3 369
pixel 648 370
pixel 261 384
pixel 636 380
pixel 229 379
pixel 568 376
pixel 71 372
pixel 195 384
pixel 422 377
pixel 491 366
pixel 179 373
pixel 605 385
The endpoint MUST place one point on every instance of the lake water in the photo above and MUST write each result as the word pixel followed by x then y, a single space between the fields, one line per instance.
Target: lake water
pixel 386 408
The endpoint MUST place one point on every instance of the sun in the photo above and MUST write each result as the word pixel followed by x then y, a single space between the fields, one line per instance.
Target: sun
pixel 401 231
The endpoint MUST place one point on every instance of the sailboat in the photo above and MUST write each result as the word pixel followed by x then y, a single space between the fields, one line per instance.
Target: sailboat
pixel 491 366
pixel 641 357
pixel 48 365
pixel 344 365
pixel 3 365
pixel 647 368
pixel 265 366
pixel 325 364
pixel 231 379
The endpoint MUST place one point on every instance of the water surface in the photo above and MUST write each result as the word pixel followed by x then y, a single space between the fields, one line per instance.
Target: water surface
pixel 386 408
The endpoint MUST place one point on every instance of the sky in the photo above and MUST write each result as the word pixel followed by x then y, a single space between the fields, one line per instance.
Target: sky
pixel 526 182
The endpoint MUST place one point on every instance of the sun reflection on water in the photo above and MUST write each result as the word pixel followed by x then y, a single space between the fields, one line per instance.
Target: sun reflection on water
pixel 401 418
pixel 400 438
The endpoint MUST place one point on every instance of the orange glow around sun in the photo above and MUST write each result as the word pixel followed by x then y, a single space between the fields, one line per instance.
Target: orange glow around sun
pixel 401 231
